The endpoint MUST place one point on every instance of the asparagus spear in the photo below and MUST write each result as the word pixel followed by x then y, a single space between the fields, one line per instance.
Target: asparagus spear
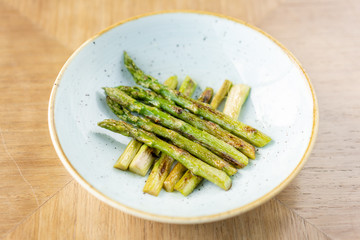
pixel 188 90
pixel 177 139
pixel 195 165
pixel 162 166
pixel 189 181
pixel 174 176
pixel 152 98
pixel 206 95
pixel 157 176
pixel 218 146
pixel 233 96
pixel 236 98
pixel 171 82
pixel 188 86
pixel 221 94
pixel 240 129
pixel 129 153
pixel 142 161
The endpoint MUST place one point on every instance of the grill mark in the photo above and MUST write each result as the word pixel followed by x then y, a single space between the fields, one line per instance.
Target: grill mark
pixel 178 110
pixel 163 169
pixel 250 129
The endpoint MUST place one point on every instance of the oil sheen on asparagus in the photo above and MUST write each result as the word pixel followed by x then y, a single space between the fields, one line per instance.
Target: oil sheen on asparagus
pixel 214 144
pixel 240 129
pixel 189 181
pixel 195 165
pixel 206 143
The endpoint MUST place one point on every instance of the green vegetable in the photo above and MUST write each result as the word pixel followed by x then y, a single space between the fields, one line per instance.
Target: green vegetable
pixel 153 184
pixel 217 146
pixel 184 184
pixel 240 129
pixel 127 156
pixel 171 82
pixel 188 90
pixel 142 162
pixel 236 98
pixel 153 99
pixel 195 165
pixel 174 176
pixel 176 138
pixel 158 174
pixel 206 95
pixel 221 94
pixel 161 168
pixel 189 181
pixel 188 87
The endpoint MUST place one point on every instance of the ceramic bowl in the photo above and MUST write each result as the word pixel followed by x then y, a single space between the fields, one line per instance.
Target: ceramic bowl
pixel 209 48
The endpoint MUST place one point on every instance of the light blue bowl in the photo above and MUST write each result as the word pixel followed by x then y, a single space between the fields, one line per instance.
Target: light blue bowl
pixel 209 48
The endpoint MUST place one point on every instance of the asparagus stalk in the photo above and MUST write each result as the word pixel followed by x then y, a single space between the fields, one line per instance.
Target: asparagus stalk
pixel 179 169
pixel 129 153
pixel 153 99
pixel 218 146
pixel 236 98
pixel 221 94
pixel 174 176
pixel 142 161
pixel 188 86
pixel 171 82
pixel 240 129
pixel 161 167
pixel 195 165
pixel 206 95
pixel 176 138
pixel 189 181
pixel 158 174
pixel 232 98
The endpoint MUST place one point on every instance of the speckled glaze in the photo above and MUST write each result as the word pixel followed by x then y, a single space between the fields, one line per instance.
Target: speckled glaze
pixel 210 49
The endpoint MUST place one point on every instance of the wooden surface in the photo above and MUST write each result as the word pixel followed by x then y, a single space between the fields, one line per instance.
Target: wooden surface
pixel 39 199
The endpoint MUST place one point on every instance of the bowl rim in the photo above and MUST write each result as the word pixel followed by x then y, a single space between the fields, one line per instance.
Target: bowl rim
pixel 168 219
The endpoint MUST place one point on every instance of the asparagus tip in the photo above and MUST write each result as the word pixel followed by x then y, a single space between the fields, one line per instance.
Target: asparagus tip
pixel 106 89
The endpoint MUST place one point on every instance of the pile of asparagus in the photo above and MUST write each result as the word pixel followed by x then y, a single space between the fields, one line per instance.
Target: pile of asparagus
pixel 205 142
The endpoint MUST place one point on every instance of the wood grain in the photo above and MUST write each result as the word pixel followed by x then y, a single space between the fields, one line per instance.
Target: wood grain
pixel 326 192
pixel 29 168
pixel 69 22
pixel 75 214
pixel 38 199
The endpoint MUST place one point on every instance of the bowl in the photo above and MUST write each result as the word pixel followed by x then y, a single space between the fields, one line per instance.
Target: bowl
pixel 209 48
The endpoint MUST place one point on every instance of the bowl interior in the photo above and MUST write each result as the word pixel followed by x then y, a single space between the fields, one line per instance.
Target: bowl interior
pixel 209 49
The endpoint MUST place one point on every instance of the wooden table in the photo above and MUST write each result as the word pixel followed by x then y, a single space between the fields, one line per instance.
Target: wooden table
pixel 39 199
